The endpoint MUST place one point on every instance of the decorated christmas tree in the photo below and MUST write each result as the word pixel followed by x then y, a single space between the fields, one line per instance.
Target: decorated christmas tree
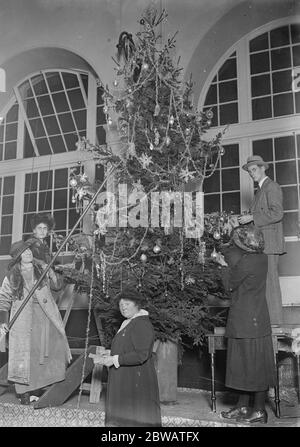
pixel 150 230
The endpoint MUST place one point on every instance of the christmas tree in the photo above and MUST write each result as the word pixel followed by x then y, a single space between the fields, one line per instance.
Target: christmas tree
pixel 162 150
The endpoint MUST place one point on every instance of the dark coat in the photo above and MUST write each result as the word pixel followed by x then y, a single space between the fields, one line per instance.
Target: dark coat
pixel 248 315
pixel 40 249
pixel 132 393
pixel 267 211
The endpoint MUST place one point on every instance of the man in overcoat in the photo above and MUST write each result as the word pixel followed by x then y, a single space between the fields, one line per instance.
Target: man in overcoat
pixel 266 212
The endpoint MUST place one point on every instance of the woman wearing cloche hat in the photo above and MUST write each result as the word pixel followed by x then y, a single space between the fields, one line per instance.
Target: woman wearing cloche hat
pixel 266 211
pixel 38 350
pixel 250 366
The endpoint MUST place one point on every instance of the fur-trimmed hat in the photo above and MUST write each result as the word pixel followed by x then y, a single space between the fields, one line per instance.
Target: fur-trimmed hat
pixel 131 294
pixel 248 238
pixel 18 247
pixel 44 218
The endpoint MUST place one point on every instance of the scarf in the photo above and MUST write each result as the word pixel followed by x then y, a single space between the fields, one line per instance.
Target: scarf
pixel 140 313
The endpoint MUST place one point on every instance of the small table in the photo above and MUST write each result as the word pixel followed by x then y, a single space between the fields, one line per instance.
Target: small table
pixel 218 341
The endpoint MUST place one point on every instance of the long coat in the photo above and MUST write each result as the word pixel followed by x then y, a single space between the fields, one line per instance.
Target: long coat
pixel 37 349
pixel 267 211
pixel 248 315
pixel 132 394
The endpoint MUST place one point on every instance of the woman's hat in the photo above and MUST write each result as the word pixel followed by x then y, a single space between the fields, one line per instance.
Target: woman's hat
pixel 248 238
pixel 255 160
pixel 18 247
pixel 44 218
pixel 131 294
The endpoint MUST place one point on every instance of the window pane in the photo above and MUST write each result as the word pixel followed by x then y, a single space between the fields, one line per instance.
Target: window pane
pixel 290 197
pixel 284 148
pixel 12 114
pixel 9 185
pixel 66 122
pixel 57 144
pixel 228 113
pixel 80 119
pixel 60 198
pixel 212 184
pixel 261 108
pixel 298 146
pixel 212 203
pixel 39 85
pixel 260 85
pixel 51 125
pixel 45 105
pixel 101 134
pixel 282 81
pixel 31 182
pixel 279 36
pixel 73 217
pixel 61 178
pixel 211 97
pixel 99 95
pixel 99 173
pixel 31 108
pixel 264 148
pixel 281 58
pixel 7 205
pixel 6 225
pixel 60 220
pixel 71 140
pixel 70 80
pixel 5 244
pixel 228 70
pixel 290 224
pixel 231 155
pixel 43 146
pixel 25 90
pixel 270 171
pixel 11 132
pixel 85 82
pixel 1 132
pixel 1 152
pixel 259 43
pixel 296 55
pixel 283 104
pixel 54 82
pixel 295 32
pixel 76 100
pixel 30 202
pixel 101 119
pixel 228 91
pixel 231 202
pixel 297 100
pixel 60 102
pixel 37 127
pixel 230 179
pixel 286 173
pixel 10 150
pixel 27 224
pixel 46 180
pixel 45 201
pixel 259 62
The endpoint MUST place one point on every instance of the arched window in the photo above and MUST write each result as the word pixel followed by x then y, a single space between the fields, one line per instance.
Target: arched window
pixel 40 127
pixel 266 120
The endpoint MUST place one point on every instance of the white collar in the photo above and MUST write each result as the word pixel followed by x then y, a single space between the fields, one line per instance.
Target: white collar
pixel 262 181
pixel 140 313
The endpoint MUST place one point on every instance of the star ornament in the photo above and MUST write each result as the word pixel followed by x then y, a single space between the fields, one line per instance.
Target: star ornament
pixel 187 175
pixel 145 160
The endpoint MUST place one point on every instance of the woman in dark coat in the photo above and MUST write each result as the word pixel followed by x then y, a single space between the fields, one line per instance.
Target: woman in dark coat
pixel 41 224
pixel 250 366
pixel 132 392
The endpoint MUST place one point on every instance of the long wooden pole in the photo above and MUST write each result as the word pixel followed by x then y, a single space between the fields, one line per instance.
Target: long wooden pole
pixel 36 285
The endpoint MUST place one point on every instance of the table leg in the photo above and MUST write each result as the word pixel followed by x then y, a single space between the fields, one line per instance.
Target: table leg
pixel 276 389
pixel 213 393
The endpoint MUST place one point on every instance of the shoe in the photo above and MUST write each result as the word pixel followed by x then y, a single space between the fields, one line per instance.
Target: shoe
pixel 256 416
pixel 25 399
pixel 236 412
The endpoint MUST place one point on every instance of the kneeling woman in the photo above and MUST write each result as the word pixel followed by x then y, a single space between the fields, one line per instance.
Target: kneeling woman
pixel 38 348
pixel 132 395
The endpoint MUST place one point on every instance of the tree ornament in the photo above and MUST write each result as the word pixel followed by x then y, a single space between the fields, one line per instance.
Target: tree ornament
pixel 171 120
pixel 73 182
pixel 109 121
pixel 156 139
pixel 73 199
pixel 222 151
pixel 105 109
pixel 144 247
pixel 217 235
pixel 115 83
pixel 187 131
pixel 209 114
pixel 142 21
pixel 189 280
pixel 208 122
pixel 156 249
pixel 145 66
pixel 131 150
pixel 214 254
pixel 143 257
pixel 168 141
pixel 151 147
pixel 156 110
